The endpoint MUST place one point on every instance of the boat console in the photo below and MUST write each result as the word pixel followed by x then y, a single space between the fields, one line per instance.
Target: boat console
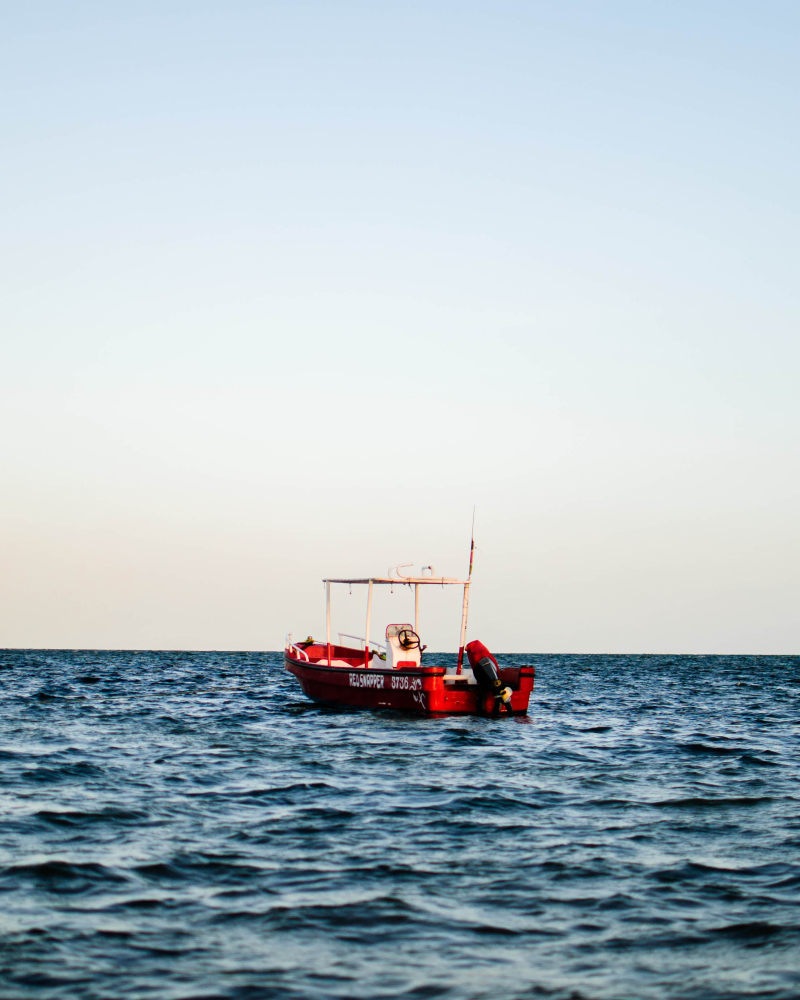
pixel 403 648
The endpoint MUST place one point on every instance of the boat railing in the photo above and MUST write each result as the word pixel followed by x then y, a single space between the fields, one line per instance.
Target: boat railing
pixel 298 651
pixel 360 638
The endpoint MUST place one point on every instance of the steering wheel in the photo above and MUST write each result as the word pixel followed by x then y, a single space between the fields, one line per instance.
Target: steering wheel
pixel 408 639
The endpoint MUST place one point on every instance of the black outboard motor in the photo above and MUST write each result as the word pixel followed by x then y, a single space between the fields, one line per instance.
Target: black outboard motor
pixel 487 674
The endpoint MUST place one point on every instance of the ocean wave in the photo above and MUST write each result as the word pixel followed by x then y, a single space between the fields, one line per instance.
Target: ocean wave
pixel 188 825
pixel 60 876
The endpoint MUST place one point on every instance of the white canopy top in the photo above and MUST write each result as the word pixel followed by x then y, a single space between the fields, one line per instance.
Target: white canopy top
pixel 438 580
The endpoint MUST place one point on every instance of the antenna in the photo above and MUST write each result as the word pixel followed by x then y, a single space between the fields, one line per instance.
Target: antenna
pixel 471 545
pixel 465 604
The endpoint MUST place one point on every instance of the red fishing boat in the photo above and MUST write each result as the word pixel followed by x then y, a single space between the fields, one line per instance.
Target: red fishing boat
pixel 394 674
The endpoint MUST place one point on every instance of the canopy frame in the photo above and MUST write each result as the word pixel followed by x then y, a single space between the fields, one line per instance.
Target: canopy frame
pixel 405 581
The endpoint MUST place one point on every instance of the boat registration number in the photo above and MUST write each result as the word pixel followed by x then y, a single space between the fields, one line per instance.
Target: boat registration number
pixel 401 683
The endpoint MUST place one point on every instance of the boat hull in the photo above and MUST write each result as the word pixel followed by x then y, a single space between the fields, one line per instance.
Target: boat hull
pixel 424 690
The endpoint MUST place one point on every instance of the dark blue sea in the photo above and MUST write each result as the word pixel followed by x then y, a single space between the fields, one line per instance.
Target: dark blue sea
pixel 187 825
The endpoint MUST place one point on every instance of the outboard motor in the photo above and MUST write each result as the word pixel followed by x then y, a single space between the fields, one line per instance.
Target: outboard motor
pixel 487 674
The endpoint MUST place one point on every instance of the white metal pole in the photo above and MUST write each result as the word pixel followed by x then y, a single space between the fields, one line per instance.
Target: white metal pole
pixel 416 608
pixel 366 628
pixel 328 618
pixel 464 613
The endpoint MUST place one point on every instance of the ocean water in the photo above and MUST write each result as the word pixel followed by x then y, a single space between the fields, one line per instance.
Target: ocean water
pixel 187 825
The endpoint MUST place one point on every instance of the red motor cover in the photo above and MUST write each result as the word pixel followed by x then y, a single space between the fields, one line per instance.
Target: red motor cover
pixel 476 652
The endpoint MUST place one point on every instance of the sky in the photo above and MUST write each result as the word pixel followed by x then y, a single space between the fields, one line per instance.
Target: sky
pixel 289 288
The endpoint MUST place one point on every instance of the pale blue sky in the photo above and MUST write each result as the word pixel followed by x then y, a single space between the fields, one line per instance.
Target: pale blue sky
pixel 286 288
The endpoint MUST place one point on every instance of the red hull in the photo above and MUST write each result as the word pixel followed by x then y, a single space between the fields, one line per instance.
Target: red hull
pixel 422 690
